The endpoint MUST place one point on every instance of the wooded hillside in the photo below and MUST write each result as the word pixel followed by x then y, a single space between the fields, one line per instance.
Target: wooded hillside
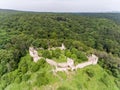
pixel 20 30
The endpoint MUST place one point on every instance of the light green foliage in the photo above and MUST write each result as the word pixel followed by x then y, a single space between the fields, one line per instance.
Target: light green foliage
pixel 91 78
pixel 68 53
pixel 62 58
pixel 80 34
pixel 73 56
pixel 26 77
pixel 63 88
pixel 42 79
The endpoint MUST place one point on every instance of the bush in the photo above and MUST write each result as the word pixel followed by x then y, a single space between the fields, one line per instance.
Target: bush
pixel 116 73
pixel 62 58
pixel 117 83
pixel 68 53
pixel 90 73
pixel 23 66
pixel 42 79
pixel 34 67
pixel 74 50
pixel 56 53
pixel 73 56
pixel 63 88
pixel 23 70
pixel 18 79
pixel 41 63
pixel 47 54
pixel 7 62
pixel 25 77
pixel 81 56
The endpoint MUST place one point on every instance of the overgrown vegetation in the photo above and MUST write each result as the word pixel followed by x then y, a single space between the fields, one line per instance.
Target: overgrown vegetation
pixel 81 35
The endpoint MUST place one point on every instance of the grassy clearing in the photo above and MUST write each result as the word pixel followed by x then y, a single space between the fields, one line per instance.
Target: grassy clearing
pixel 42 78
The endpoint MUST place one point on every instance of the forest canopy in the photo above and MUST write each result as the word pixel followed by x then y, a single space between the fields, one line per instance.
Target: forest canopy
pixel 20 30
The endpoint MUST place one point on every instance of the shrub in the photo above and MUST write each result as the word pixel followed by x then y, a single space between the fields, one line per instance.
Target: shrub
pixel 42 79
pixel 18 79
pixel 25 77
pixel 73 56
pixel 82 56
pixel 74 50
pixel 34 67
pixel 90 73
pixel 23 66
pixel 41 63
pixel 23 70
pixel 56 53
pixel 68 53
pixel 62 58
pixel 63 88
pixel 117 83
pixel 116 73
pixel 47 54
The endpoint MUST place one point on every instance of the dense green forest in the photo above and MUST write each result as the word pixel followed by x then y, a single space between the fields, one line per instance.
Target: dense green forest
pixel 114 16
pixel 81 33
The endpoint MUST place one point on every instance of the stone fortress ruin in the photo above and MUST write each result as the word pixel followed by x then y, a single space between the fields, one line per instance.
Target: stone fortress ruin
pixel 64 66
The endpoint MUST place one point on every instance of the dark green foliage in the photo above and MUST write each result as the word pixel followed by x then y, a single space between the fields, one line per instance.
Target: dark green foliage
pixel 56 53
pixel 88 30
pixel 7 61
pixel 47 54
pixel 113 16
pixel 117 83
pixel 90 73
pixel 110 63
pixel 19 30
pixel 97 33
pixel 116 72
pixel 23 67
pixel 40 43
pixel 63 88
pixel 81 55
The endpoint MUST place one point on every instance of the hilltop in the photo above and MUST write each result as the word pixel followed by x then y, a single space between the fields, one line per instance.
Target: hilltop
pixel 81 35
pixel 39 75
